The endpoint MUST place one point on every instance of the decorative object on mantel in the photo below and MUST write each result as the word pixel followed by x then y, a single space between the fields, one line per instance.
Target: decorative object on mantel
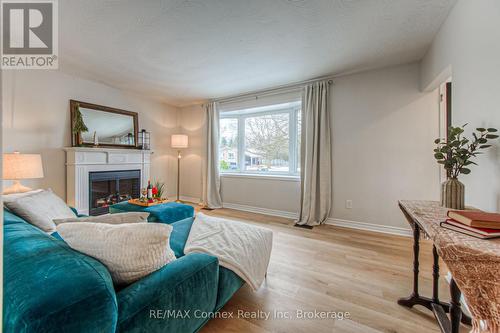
pixel 18 166
pixel 78 126
pixel 96 139
pixel 116 127
pixel 179 141
pixel 144 140
pixel 130 139
pixel 455 154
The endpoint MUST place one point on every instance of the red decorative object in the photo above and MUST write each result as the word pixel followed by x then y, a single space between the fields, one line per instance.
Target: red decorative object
pixel 155 191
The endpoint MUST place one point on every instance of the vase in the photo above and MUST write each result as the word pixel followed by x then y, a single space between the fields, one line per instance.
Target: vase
pixel 79 139
pixel 452 194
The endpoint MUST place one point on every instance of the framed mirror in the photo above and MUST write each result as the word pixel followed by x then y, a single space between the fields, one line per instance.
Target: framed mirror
pixel 96 125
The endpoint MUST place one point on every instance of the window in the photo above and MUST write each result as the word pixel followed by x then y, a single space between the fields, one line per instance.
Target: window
pixel 261 140
pixel 228 146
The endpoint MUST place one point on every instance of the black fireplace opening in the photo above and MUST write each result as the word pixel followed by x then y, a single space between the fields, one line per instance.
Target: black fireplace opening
pixel 109 187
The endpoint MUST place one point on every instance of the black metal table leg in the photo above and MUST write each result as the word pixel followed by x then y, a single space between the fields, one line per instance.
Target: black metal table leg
pixel 455 310
pixel 414 298
pixel 435 275
pixel 439 308
pixel 435 287
pixel 416 253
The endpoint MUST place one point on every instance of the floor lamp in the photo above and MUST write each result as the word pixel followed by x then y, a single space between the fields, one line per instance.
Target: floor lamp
pixel 179 141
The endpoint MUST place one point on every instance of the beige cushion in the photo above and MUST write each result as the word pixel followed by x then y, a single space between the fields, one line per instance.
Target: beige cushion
pixel 14 196
pixel 40 209
pixel 130 251
pixel 118 218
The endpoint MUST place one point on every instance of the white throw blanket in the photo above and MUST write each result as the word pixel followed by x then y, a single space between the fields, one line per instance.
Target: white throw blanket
pixel 243 248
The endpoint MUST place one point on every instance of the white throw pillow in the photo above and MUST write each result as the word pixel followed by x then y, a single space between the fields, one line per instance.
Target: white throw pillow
pixel 14 196
pixel 118 218
pixel 40 208
pixel 129 251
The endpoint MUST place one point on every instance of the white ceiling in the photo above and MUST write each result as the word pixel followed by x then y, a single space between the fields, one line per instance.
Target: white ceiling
pixel 184 51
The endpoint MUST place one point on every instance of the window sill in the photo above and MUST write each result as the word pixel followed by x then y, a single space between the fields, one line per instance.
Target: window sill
pixel 288 178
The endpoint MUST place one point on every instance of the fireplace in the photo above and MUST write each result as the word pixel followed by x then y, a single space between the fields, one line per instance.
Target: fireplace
pixel 109 187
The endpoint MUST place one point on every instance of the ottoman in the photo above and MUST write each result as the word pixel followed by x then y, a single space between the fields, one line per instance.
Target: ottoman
pixel 169 212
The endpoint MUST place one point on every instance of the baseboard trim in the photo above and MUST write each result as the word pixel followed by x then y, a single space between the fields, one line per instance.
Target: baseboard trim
pixel 259 210
pixel 190 199
pixel 385 229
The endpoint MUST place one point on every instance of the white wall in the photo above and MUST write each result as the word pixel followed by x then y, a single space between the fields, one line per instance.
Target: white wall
pixel 383 129
pixel 36 119
pixel 192 122
pixel 468 47
pixel 383 133
pixel 280 195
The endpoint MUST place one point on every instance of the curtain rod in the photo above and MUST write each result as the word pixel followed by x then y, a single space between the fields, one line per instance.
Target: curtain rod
pixel 271 91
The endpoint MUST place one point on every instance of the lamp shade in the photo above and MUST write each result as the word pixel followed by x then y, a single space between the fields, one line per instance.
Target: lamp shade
pixel 22 166
pixel 179 141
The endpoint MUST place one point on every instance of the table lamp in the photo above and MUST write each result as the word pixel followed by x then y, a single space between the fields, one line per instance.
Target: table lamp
pixel 18 166
pixel 179 141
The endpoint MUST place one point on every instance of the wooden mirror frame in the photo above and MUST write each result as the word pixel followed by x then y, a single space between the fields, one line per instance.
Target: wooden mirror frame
pixel 75 105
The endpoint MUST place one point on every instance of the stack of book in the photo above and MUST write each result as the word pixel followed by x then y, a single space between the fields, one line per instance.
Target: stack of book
pixel 474 223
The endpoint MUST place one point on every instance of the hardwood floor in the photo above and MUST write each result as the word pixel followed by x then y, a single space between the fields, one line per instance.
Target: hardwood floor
pixel 336 270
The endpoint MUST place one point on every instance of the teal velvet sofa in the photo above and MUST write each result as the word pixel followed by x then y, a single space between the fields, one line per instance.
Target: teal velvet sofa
pixel 48 287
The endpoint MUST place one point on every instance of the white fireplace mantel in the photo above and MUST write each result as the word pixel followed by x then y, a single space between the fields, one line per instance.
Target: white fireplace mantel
pixel 80 161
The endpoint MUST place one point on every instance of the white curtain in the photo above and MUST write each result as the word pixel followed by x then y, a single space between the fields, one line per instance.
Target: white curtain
pixel 316 161
pixel 211 184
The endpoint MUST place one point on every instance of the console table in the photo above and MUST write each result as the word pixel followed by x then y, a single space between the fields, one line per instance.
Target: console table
pixel 473 263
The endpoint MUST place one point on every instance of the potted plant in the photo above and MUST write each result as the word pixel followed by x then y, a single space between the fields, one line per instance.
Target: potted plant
pixel 79 127
pixel 158 190
pixel 456 154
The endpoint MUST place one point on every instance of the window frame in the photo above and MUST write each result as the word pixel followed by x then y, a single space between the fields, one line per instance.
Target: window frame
pixel 293 135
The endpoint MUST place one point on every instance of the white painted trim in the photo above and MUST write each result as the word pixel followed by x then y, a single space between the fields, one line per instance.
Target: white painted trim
pixel 288 178
pixel 81 161
pixel 385 229
pixel 188 199
pixel 259 210
pixel 104 149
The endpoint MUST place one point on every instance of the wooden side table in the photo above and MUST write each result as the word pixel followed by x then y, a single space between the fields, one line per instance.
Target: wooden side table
pixel 439 308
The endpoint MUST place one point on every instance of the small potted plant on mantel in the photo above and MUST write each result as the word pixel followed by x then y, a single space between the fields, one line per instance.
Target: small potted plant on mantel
pixel 79 127
pixel 456 154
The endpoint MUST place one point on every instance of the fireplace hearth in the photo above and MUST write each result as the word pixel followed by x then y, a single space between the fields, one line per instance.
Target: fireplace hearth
pixel 109 187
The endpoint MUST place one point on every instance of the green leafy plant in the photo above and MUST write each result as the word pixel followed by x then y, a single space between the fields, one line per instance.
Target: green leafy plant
pixel 160 189
pixel 224 165
pixel 455 154
pixel 78 124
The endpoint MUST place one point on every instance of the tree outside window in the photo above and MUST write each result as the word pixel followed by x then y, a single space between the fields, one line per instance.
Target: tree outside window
pixel 261 142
